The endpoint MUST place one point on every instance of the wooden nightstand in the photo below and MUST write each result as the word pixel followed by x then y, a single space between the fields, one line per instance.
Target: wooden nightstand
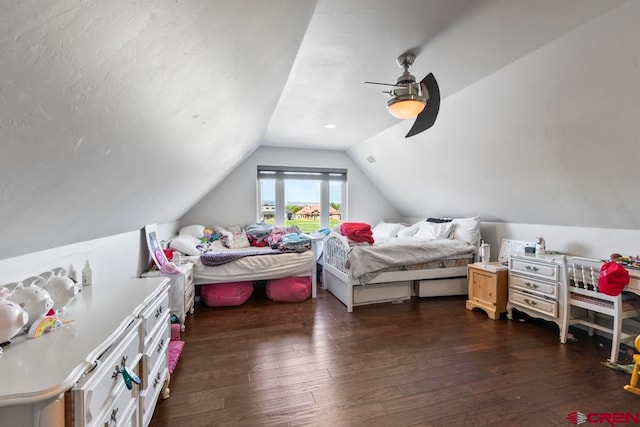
pixel 488 288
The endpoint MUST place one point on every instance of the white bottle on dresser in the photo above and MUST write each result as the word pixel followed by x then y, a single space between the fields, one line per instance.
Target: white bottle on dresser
pixel 87 274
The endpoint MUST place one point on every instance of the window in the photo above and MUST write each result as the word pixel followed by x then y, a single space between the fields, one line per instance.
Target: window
pixel 311 198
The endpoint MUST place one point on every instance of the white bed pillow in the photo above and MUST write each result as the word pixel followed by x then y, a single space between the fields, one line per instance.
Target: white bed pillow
pixel 433 231
pixel 411 230
pixel 196 231
pixel 186 244
pixel 467 229
pixel 386 229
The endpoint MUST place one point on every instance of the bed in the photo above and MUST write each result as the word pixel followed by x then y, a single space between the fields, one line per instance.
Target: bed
pixel 399 265
pixel 257 267
pixel 238 261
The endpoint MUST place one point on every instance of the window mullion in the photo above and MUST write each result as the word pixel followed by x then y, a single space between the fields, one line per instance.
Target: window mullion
pixel 324 204
pixel 280 208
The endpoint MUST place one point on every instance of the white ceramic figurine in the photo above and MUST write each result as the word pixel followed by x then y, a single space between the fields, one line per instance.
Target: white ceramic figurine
pixel 13 319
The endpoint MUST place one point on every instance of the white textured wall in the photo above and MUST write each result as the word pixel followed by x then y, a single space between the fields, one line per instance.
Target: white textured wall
pixel 114 257
pixel 552 138
pixel 590 242
pixel 234 200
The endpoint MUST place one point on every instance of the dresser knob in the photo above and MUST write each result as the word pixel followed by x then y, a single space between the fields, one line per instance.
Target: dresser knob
pixel 113 419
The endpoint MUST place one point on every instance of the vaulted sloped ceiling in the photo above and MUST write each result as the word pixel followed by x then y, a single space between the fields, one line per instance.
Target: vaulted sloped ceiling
pixel 114 114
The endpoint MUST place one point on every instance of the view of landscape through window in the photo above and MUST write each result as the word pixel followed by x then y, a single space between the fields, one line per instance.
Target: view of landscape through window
pixel 302 200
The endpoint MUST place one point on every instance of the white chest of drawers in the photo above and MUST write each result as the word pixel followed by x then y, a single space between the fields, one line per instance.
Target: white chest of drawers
pixel 72 376
pixel 182 293
pixel 537 287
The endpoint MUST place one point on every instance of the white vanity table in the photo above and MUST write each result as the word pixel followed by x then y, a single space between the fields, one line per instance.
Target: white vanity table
pixel 71 376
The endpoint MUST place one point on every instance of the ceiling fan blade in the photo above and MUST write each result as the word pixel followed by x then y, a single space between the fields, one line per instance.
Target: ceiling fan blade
pixel 427 117
pixel 384 84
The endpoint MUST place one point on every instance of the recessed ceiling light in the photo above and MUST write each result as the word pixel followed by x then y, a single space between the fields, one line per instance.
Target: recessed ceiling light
pixel 330 126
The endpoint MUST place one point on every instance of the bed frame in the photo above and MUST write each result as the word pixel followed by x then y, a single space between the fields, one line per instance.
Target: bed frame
pixel 391 286
pixel 311 272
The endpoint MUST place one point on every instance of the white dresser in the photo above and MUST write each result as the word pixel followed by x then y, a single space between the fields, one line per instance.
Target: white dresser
pixel 72 376
pixel 537 287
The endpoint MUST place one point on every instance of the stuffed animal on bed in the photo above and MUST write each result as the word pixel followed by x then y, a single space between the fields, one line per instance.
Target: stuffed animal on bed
pixel 209 236
pixel 206 235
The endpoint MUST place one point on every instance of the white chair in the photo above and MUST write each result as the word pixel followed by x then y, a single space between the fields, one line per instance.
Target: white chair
pixel 595 310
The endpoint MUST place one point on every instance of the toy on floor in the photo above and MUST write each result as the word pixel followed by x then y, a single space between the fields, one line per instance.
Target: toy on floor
pixel 632 387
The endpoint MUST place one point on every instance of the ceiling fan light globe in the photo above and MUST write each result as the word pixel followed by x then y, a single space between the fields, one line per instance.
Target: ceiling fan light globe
pixel 406 108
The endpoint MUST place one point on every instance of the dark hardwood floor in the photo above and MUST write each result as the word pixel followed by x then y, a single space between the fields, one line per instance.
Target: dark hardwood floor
pixel 425 362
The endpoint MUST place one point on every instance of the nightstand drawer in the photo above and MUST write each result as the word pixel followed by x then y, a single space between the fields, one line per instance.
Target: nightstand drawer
pixel 534 286
pixel 533 302
pixel 189 295
pixel 530 267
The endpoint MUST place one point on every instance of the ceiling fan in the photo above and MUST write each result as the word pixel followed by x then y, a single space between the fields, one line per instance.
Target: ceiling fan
pixel 410 99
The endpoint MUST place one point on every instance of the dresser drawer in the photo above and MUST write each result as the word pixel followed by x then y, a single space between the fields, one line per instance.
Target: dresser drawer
pixel 149 396
pixel 155 352
pixel 533 302
pixel 153 316
pixel 98 389
pixel 533 268
pixel 122 412
pixel 534 286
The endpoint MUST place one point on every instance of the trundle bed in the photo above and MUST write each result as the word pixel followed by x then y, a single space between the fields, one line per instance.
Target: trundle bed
pixel 367 274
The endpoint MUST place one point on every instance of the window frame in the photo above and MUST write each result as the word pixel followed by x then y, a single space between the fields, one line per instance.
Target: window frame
pixel 283 173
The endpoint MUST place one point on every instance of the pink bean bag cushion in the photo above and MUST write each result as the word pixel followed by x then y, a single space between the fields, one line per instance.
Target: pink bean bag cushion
pixel 289 289
pixel 226 294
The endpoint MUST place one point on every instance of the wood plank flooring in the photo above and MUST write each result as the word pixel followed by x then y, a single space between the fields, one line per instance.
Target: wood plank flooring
pixel 425 362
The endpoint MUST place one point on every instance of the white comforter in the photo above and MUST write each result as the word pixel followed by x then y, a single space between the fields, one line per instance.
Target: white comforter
pixel 376 257
pixel 259 267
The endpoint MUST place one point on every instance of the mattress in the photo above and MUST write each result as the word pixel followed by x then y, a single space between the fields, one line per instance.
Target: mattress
pixel 375 258
pixel 256 267
pixel 458 261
